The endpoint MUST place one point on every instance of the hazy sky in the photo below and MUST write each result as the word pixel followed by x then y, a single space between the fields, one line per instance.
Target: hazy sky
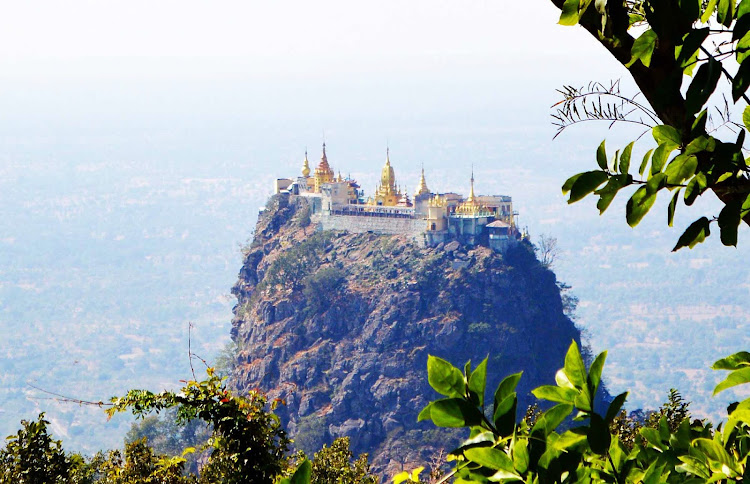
pixel 282 39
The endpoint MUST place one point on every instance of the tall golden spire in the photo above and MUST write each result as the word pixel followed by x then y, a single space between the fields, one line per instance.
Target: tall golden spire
pixel 305 166
pixel 471 193
pixel 422 187
pixel 387 175
pixel 323 172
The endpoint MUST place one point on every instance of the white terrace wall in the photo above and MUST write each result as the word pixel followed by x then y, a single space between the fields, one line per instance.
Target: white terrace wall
pixel 414 228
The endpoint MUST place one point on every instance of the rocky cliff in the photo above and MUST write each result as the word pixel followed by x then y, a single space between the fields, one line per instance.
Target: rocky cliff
pixel 340 325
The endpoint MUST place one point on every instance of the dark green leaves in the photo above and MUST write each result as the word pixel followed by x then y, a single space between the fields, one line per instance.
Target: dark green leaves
pixel 664 133
pixel 601 156
pixel 582 184
pixel 702 86
pixel 572 10
pixel 639 205
pixel 451 412
pixel 725 12
pixel 729 221
pixel 643 48
pixel 444 377
pixel 733 362
pixel 695 234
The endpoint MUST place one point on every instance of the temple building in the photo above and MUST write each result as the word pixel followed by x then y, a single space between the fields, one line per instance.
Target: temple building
pixel 430 218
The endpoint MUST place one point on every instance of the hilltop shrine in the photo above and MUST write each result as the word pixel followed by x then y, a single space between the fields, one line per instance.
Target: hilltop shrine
pixel 338 203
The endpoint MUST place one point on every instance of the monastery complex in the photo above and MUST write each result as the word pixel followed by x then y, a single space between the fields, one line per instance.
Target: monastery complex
pixel 429 218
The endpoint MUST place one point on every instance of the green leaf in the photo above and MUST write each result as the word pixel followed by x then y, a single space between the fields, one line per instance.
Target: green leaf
pixel 625 158
pixel 643 48
pixel 672 206
pixel 654 473
pixel 504 416
pixel 574 368
pixel 601 156
pixel 644 163
pixel 664 133
pixel 725 12
pixel 570 439
pixel 694 466
pixel 743 49
pixel 699 125
pixel 521 455
pixel 569 183
pixel 702 86
pixel 741 80
pixel 598 435
pixel 552 418
pixel 701 143
pixel 709 10
pixel 491 458
pixel 445 378
pixel 639 205
pixel 608 192
pixel 737 377
pixel 595 371
pixel 694 234
pixel 681 168
pixel 729 222
pixel 695 188
pixel 425 413
pixel 653 438
pixel 615 407
pixel 716 452
pixel 685 54
pixel 555 394
pixel 302 474
pixel 478 380
pixel 569 13
pixel 661 153
pixel 586 183
pixel 507 387
pixel 746 117
pixel 454 412
pixel 733 362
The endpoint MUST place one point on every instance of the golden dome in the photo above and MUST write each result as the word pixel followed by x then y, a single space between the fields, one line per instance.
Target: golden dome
pixel 305 166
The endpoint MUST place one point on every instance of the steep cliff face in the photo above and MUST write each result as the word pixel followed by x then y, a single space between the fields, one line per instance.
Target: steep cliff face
pixel 340 325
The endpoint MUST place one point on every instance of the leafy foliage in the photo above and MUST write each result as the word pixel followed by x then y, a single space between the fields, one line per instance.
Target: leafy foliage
pixel 591 448
pixel 334 465
pixel 688 159
pixel 291 267
pixel 32 456
pixel 247 441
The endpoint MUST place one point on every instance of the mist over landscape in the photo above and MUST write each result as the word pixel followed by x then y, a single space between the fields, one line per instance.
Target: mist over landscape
pixel 128 185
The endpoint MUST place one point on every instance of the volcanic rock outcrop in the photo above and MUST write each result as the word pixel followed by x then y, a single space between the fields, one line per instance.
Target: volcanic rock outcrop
pixel 339 326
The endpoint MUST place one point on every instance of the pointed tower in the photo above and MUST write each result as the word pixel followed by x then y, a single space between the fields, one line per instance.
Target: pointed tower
pixel 387 193
pixel 323 172
pixel 306 167
pixel 422 187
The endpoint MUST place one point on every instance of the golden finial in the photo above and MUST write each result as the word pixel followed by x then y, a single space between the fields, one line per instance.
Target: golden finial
pixel 306 166
pixel 422 187
pixel 471 193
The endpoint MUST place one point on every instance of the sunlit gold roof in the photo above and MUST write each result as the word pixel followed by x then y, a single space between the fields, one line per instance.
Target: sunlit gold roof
pixel 422 187
pixel 387 175
pixel 471 206
pixel 323 166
